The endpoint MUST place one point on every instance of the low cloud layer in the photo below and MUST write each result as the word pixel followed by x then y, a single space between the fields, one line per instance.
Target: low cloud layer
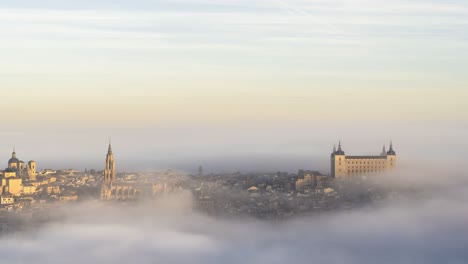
pixel 407 229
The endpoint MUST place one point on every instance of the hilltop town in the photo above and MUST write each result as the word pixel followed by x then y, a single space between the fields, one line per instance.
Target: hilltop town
pixel 28 196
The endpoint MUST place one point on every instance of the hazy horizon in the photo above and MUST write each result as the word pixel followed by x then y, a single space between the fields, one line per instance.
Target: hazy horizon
pixel 230 148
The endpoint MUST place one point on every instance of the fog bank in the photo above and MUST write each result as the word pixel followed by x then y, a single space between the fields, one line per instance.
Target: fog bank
pixel 425 230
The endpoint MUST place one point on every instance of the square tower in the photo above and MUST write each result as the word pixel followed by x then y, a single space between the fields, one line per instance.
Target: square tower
pixel 338 163
pixel 391 158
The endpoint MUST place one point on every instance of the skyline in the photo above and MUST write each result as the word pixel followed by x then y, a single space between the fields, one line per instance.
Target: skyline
pixel 296 156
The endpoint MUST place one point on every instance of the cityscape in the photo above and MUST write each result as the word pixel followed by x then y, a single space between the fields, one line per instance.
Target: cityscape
pixel 36 200
pixel 30 193
pixel 233 131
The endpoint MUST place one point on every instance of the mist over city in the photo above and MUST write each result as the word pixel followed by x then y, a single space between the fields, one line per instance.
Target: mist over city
pixel 246 131
pixel 427 227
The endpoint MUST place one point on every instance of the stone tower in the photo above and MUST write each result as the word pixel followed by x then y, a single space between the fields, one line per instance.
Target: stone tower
pixel 338 164
pixel 32 171
pixel 391 157
pixel 109 172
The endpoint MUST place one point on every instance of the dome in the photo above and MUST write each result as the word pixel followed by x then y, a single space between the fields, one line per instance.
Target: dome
pixel 13 160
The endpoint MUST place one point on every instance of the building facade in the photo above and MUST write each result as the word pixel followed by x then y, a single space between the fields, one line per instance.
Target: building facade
pixel 343 166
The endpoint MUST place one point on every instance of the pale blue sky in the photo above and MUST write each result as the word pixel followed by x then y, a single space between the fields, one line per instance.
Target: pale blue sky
pixel 411 44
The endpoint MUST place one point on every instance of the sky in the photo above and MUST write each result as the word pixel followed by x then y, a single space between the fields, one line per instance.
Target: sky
pixel 250 83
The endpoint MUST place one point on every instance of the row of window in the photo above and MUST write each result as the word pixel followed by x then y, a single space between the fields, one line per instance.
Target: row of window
pixel 372 163
pixel 367 162
pixel 361 171
pixel 364 169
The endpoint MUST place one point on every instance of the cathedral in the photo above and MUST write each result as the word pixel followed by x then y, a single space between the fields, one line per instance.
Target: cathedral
pixel 110 189
pixel 343 166
pixel 17 167
pixel 11 179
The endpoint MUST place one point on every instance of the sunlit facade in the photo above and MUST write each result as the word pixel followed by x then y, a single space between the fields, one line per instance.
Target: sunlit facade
pixel 343 166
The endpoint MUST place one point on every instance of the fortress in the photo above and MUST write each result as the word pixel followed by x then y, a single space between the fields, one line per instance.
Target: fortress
pixel 343 166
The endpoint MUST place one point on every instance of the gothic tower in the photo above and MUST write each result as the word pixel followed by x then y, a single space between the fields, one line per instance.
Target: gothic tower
pixel 109 172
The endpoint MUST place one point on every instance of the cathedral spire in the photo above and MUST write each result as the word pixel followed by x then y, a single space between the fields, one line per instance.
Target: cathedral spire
pixel 110 171
pixel 109 151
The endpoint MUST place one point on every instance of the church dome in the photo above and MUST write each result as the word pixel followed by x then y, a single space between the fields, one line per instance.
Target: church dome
pixel 13 159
